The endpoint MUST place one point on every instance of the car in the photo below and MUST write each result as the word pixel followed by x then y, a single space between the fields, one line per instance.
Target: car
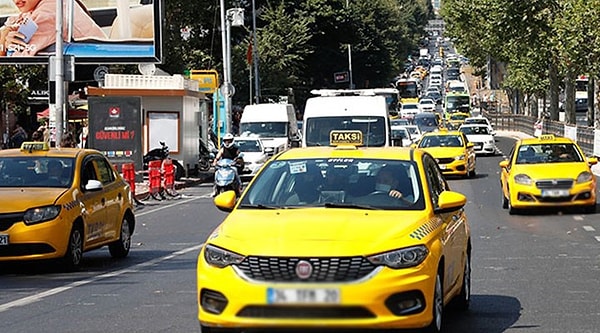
pixel 401 137
pixel 409 110
pixel 456 119
pixel 545 172
pixel 58 203
pixel 314 243
pixel 254 155
pixel 481 137
pixel 415 132
pixel 427 105
pixel 427 121
pixel 452 150
pixel 481 120
pixel 434 95
pixel 399 122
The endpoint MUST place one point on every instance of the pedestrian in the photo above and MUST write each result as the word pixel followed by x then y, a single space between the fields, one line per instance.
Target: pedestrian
pixel 19 135
pixel 37 136
pixel 68 141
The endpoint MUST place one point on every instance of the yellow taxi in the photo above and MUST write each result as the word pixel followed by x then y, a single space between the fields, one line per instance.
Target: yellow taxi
pixel 452 150
pixel 56 203
pixel 547 171
pixel 337 237
pixel 456 119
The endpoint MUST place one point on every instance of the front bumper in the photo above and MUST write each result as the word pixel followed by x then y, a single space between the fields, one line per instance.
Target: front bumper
pixel 456 167
pixel 369 302
pixel 524 196
pixel 45 240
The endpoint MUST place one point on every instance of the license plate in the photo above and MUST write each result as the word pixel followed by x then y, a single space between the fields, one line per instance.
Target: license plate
pixel 3 239
pixel 555 193
pixel 302 296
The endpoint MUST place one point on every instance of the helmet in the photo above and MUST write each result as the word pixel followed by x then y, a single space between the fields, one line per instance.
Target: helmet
pixel 228 140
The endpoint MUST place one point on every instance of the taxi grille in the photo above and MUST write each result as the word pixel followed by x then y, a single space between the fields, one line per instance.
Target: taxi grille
pixel 306 312
pixel 554 184
pixel 16 250
pixel 445 160
pixel 274 269
pixel 7 220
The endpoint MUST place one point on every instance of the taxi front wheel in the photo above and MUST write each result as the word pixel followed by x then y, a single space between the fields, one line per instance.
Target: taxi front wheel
pixel 438 307
pixel 74 252
pixel 120 248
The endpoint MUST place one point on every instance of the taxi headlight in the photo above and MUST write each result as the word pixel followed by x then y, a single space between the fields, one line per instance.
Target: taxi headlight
pixel 460 157
pixel 401 258
pixel 41 214
pixel 523 179
pixel 220 258
pixel 585 177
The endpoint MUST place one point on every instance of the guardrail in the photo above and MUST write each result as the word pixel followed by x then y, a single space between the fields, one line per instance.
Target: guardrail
pixel 526 124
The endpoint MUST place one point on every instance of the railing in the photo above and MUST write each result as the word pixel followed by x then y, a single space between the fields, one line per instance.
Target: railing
pixel 526 124
pixel 149 82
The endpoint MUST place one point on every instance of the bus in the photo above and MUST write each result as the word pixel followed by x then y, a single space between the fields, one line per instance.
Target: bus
pixel 456 102
pixel 409 90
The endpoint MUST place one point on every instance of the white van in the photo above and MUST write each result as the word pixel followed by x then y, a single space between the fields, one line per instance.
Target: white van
pixel 274 124
pixel 361 110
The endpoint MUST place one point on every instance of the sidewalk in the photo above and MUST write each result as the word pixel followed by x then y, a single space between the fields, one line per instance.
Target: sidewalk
pixel 519 135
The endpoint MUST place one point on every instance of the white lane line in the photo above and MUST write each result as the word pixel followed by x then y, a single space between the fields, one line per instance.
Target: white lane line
pixel 39 296
pixel 598 238
pixel 588 228
pixel 165 207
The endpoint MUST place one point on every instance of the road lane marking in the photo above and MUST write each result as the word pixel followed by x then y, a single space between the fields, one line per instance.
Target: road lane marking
pixel 54 291
pixel 166 206
pixel 597 238
pixel 588 228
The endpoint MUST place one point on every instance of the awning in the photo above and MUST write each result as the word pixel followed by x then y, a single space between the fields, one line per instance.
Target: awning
pixel 74 114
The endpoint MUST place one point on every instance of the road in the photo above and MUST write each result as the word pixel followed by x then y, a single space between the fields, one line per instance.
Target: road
pixel 531 273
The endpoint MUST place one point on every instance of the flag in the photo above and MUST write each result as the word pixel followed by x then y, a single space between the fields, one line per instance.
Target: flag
pixel 249 54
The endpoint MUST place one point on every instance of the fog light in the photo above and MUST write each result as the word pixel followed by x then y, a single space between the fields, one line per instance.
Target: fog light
pixel 406 303
pixel 212 301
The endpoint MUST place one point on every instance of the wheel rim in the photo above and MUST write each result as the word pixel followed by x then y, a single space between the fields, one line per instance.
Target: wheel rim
pixel 438 303
pixel 76 247
pixel 125 235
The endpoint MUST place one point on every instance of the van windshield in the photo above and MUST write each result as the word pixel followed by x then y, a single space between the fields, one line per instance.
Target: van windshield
pixel 373 129
pixel 265 129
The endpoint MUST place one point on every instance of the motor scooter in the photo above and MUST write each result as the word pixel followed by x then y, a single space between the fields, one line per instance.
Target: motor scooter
pixel 162 153
pixel 227 177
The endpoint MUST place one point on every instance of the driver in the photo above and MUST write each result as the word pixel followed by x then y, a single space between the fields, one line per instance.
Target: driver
pixel 229 151
pixel 387 182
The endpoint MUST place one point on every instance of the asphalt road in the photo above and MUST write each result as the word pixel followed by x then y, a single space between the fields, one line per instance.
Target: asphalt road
pixel 531 273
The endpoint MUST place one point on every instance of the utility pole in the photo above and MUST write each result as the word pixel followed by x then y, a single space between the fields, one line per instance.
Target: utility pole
pixel 59 78
pixel 255 55
pixel 349 56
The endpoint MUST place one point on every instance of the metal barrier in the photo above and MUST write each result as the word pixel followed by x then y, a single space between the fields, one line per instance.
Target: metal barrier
pixel 526 124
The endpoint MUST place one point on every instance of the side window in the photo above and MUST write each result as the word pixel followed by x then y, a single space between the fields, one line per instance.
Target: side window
pixel 88 172
pixel 105 171
pixel 435 180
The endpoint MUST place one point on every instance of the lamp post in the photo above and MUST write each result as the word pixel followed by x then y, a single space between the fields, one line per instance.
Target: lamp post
pixel 255 54
pixel 349 56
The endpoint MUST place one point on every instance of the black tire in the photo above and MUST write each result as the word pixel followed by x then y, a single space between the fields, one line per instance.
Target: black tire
pixel 203 164
pixel 437 306
pixel 504 200
pixel 74 253
pixel 179 170
pixel 120 248
pixel 511 209
pixel 462 301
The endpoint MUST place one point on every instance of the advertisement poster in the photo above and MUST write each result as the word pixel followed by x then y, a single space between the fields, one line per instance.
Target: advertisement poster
pixel 115 128
pixel 94 31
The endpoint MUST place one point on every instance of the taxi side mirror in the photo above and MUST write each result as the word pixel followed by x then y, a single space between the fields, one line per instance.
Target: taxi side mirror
pixel 592 160
pixel 450 201
pixel 93 185
pixel 470 145
pixel 413 146
pixel 225 201
pixel 503 164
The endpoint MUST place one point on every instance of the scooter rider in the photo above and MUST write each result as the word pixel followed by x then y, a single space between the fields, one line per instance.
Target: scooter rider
pixel 230 151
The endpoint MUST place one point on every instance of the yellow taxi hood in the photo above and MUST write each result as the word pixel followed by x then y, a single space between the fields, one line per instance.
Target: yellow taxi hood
pixel 313 232
pixel 445 152
pixel 20 199
pixel 548 170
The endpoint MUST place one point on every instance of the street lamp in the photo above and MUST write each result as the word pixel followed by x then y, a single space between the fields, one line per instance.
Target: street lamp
pixel 349 56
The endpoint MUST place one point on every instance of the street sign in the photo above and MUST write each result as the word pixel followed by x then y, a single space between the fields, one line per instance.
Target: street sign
pixel 341 77
pixel 208 80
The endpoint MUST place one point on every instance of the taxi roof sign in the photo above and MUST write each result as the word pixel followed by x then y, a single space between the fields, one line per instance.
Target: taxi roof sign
pixel 34 146
pixel 346 138
pixel 547 137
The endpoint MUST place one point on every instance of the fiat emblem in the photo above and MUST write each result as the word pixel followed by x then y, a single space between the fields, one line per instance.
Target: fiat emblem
pixel 304 269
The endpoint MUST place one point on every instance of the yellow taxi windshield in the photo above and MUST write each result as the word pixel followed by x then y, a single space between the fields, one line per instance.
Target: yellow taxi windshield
pixel 32 171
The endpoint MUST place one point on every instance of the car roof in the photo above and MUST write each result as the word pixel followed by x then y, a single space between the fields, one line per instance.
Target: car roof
pixel 395 153
pixel 443 132
pixel 51 152
pixel 545 139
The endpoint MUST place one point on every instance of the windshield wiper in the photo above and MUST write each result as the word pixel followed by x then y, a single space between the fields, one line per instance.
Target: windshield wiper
pixel 259 206
pixel 347 205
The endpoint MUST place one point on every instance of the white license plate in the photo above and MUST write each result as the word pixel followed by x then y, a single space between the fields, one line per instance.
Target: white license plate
pixel 3 239
pixel 303 296
pixel 555 193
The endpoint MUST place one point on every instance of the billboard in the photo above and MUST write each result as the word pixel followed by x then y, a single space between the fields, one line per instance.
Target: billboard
pixel 115 128
pixel 94 31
